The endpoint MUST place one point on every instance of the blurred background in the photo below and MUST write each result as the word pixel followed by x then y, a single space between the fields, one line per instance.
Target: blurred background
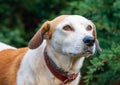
pixel 20 19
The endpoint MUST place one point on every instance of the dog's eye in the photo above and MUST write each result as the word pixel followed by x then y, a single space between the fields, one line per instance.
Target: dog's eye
pixel 89 28
pixel 68 28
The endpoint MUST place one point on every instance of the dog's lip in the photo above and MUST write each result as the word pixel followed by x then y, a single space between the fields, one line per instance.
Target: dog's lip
pixel 85 51
pixel 88 51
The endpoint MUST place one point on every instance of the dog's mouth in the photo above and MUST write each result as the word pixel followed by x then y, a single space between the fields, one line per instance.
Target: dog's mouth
pixel 87 51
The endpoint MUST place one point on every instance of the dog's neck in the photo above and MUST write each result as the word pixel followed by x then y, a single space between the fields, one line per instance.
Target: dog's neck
pixel 31 64
pixel 70 64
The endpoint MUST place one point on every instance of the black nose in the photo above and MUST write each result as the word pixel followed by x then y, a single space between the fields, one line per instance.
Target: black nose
pixel 88 40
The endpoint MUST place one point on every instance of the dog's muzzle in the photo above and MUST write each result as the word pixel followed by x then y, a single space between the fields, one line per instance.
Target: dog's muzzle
pixel 89 42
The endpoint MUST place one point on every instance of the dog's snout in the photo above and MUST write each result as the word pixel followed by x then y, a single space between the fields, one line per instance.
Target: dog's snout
pixel 88 40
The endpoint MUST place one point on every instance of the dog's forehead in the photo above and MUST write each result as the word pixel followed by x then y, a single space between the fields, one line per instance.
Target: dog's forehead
pixel 59 19
pixel 74 19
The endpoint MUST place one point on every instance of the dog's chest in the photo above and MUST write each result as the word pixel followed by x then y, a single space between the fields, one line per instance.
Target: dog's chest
pixel 39 76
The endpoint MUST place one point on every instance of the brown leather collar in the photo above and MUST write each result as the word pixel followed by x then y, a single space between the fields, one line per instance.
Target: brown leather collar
pixel 62 75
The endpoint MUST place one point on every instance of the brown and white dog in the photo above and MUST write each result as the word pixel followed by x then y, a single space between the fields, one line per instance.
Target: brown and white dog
pixel 54 56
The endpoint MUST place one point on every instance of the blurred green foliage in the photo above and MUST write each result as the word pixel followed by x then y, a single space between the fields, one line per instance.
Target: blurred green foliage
pixel 20 19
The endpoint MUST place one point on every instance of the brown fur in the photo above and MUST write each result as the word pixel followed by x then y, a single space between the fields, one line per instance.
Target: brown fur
pixel 96 40
pixel 38 37
pixel 9 64
pixel 45 32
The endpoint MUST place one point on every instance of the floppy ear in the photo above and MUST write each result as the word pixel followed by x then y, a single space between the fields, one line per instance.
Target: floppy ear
pixel 96 40
pixel 42 33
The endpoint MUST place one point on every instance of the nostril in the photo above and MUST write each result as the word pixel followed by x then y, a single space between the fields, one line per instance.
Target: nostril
pixel 88 40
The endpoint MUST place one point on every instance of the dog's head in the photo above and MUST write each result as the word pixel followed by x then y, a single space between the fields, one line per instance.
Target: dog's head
pixel 68 34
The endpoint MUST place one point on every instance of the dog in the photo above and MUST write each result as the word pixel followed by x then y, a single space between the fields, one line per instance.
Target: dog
pixel 54 55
